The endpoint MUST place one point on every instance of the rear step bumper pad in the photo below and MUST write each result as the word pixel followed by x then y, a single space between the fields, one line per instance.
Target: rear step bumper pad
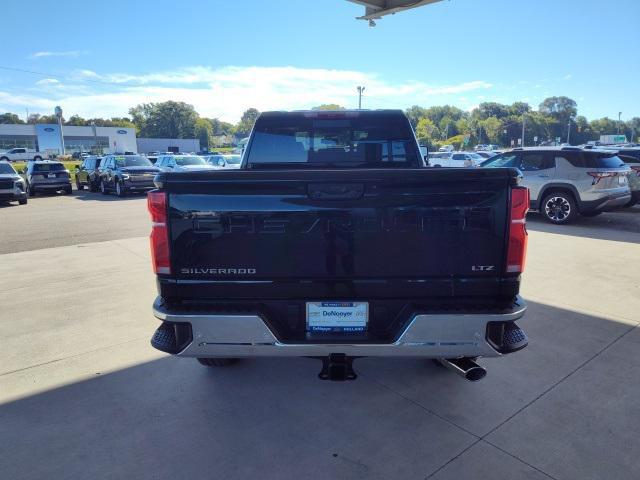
pixel 431 336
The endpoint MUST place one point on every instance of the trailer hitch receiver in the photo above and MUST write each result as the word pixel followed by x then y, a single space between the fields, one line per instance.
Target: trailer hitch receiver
pixel 337 367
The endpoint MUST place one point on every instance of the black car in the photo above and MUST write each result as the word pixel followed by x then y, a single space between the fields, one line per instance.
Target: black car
pixel 126 173
pixel 88 174
pixel 47 176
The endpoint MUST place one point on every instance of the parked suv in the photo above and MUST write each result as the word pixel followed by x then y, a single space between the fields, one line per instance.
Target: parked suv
pixel 568 181
pixel 47 176
pixel 455 159
pixel 126 173
pixel 631 157
pixel 88 174
pixel 224 161
pixel 182 163
pixel 12 185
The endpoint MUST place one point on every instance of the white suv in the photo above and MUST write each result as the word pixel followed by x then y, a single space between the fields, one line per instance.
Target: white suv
pixel 182 163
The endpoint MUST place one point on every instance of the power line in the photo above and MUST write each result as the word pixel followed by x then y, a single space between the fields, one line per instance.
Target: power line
pixel 53 75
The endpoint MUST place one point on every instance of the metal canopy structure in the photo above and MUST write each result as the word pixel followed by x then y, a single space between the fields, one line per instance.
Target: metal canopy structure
pixel 376 9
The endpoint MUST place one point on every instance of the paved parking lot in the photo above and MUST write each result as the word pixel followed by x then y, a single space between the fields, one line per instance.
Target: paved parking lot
pixel 83 395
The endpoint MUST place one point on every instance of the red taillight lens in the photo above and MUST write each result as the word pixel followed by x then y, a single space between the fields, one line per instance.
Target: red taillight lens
pixel 157 205
pixel 517 249
pixel 597 176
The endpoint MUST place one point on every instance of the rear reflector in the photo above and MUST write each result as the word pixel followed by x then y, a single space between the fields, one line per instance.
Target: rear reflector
pixel 157 205
pixel 517 249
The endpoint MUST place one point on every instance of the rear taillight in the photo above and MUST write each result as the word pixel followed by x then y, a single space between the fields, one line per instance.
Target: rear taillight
pixel 157 205
pixel 517 248
pixel 597 176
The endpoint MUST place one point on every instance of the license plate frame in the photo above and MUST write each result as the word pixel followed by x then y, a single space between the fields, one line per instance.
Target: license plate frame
pixel 337 317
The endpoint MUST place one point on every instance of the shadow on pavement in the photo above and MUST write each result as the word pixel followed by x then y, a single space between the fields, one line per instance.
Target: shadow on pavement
pixel 619 226
pixel 97 196
pixel 272 418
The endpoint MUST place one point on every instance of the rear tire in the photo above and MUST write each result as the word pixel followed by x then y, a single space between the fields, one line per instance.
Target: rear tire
pixel 559 208
pixel 30 190
pixel 103 188
pixel 217 362
pixel 79 186
pixel 631 203
pixel 22 201
pixel 120 190
pixel 37 158
pixel 68 190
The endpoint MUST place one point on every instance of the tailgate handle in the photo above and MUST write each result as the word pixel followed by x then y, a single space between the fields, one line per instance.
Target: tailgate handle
pixel 336 191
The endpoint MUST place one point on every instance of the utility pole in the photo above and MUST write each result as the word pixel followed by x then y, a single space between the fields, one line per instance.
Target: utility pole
pixel 568 131
pixel 523 119
pixel 360 90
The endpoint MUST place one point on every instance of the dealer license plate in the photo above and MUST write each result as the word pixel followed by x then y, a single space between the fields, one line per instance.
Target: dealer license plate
pixel 339 317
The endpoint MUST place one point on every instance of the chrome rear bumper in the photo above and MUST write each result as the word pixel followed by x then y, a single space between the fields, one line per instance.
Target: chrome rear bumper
pixel 430 336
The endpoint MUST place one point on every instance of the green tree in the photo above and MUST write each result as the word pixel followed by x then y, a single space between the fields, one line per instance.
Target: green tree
pixel 493 128
pixel 414 114
pixel 164 120
pixel 204 132
pixel 10 118
pixel 76 120
pixel 491 109
pixel 246 122
pixel 427 132
pixel 560 108
pixel 519 108
pixel 329 106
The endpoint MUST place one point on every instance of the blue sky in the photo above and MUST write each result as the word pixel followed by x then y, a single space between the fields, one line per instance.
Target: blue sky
pixel 223 56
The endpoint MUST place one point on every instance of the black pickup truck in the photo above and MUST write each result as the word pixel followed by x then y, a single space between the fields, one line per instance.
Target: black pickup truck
pixel 335 241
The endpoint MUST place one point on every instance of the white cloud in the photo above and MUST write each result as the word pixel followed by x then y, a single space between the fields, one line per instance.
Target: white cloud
pixel 68 53
pixel 227 91
pixel 47 81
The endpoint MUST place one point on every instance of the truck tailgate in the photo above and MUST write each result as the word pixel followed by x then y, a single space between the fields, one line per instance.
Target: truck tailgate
pixel 338 233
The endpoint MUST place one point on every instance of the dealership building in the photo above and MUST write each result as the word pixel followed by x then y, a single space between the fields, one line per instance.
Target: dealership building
pixel 45 138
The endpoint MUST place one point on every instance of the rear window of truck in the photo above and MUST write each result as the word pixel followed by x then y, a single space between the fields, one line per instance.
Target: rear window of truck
pixel 348 140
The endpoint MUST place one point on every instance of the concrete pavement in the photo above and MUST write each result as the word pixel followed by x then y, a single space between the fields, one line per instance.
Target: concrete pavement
pixel 83 395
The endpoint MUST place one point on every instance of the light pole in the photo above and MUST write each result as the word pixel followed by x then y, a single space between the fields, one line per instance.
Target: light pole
pixel 95 137
pixel 523 119
pixel 58 112
pixel 360 90
pixel 619 115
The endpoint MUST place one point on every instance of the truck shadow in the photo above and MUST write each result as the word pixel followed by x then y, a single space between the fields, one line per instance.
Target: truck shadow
pixel 272 418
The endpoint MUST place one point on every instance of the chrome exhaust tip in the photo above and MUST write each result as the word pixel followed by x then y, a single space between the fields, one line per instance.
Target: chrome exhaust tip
pixel 464 367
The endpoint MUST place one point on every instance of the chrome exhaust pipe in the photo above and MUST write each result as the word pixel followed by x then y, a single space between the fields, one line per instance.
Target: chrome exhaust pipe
pixel 465 367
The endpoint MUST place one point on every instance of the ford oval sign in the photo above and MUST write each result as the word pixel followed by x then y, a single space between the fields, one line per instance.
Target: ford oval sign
pixel 48 129
pixel 122 132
